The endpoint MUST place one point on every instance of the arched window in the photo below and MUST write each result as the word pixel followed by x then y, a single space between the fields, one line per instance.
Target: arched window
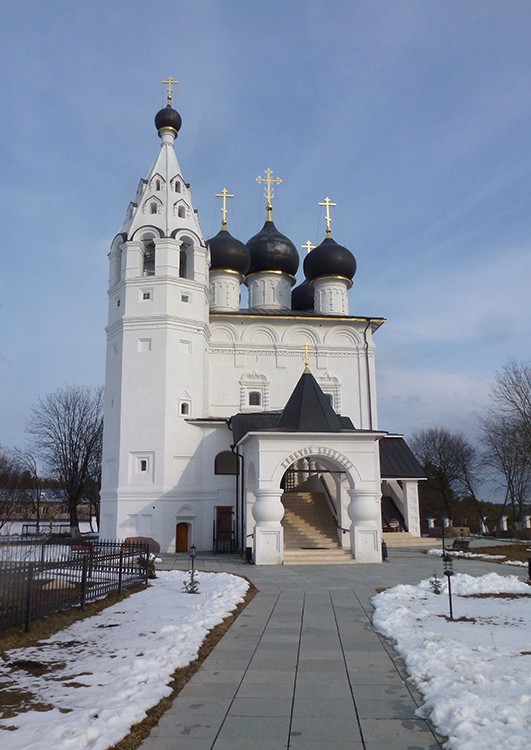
pixel 185 409
pixel 149 259
pixel 153 208
pixel 182 212
pixel 255 398
pixel 186 259
pixel 177 186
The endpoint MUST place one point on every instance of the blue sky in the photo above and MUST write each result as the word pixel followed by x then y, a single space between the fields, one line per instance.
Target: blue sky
pixel 413 116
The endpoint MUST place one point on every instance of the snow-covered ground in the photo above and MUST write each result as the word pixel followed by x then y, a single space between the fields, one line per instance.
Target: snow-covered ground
pixel 474 673
pixel 100 675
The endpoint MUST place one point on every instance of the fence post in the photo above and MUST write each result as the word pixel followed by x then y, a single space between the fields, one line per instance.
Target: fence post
pixel 84 582
pixel 147 565
pixel 121 567
pixel 29 597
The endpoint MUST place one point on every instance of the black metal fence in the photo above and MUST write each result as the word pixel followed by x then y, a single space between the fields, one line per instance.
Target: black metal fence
pixel 38 578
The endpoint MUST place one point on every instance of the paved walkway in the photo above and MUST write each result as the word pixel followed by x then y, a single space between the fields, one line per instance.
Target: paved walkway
pixel 301 668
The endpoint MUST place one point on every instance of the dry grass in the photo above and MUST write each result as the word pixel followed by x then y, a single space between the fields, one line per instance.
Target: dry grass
pixel 517 551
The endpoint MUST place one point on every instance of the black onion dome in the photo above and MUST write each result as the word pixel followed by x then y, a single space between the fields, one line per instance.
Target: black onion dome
pixel 272 251
pixel 228 253
pixel 329 259
pixel 168 118
pixel 302 297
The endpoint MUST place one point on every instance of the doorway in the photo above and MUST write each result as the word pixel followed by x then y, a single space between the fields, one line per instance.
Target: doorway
pixel 181 537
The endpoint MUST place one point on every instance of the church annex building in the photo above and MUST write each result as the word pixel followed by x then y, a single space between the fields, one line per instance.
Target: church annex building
pixel 242 429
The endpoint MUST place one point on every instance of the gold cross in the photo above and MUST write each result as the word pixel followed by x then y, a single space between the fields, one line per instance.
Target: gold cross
pixel 169 81
pixel 306 357
pixel 308 245
pixel 327 202
pixel 269 192
pixel 224 195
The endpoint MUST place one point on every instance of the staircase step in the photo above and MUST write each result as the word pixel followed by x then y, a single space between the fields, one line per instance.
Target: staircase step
pixel 399 539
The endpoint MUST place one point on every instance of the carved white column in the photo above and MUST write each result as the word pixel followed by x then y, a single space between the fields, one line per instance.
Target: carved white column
pixel 224 291
pixel 411 506
pixel 268 539
pixel 270 290
pixel 365 532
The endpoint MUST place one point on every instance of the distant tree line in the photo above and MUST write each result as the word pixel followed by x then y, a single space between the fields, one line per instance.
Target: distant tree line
pixel 455 467
pixel 65 431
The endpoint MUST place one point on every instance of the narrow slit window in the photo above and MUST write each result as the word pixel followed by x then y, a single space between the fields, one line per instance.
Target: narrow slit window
pixel 143 464
pixel 153 208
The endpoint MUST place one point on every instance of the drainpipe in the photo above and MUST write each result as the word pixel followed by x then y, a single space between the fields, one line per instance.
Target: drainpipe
pixel 240 520
pixel 368 371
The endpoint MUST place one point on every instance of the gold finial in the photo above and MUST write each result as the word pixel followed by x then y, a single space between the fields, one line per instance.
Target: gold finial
pixel 308 245
pixel 224 195
pixel 269 192
pixel 306 348
pixel 327 202
pixel 169 81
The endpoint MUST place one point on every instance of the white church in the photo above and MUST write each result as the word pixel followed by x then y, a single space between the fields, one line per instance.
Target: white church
pixel 251 430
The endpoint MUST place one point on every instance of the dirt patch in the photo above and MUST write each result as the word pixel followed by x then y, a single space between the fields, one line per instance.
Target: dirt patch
pixel 457 619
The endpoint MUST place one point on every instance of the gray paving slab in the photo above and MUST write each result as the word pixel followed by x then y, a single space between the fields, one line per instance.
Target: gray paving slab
pixel 302 668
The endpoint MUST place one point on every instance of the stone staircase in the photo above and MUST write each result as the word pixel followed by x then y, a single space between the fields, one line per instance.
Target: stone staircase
pixel 310 533
pixel 395 540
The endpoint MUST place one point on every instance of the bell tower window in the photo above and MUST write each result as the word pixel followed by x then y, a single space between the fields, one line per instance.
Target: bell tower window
pixel 149 259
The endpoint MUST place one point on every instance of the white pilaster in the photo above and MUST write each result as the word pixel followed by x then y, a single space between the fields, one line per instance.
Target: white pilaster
pixel 411 506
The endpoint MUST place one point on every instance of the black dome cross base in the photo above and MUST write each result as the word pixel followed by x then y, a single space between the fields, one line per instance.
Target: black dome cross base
pixel 227 253
pixel 168 118
pixel 272 251
pixel 329 259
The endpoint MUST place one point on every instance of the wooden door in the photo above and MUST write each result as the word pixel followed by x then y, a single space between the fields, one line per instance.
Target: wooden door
pixel 181 537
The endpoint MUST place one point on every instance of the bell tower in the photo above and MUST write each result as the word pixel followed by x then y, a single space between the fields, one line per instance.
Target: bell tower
pixel 157 337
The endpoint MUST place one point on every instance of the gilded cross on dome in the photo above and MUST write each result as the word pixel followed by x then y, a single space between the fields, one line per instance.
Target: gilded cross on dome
pixel 168 82
pixel 224 194
pixel 308 245
pixel 327 202
pixel 269 192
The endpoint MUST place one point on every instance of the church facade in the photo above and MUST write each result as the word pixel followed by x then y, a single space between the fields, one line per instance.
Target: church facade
pixel 217 418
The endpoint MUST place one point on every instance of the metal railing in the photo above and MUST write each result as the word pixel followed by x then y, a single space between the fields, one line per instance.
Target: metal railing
pixel 39 578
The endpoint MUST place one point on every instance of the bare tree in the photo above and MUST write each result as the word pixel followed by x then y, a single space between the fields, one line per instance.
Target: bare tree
pixel 66 429
pixel 506 435
pixel 511 397
pixel 12 489
pixel 507 454
pixel 451 463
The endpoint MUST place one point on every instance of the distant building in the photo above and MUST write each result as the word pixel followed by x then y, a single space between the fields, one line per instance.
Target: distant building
pixel 223 426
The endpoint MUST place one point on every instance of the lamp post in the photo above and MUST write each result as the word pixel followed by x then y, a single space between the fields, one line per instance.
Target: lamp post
pixel 192 586
pixel 448 572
